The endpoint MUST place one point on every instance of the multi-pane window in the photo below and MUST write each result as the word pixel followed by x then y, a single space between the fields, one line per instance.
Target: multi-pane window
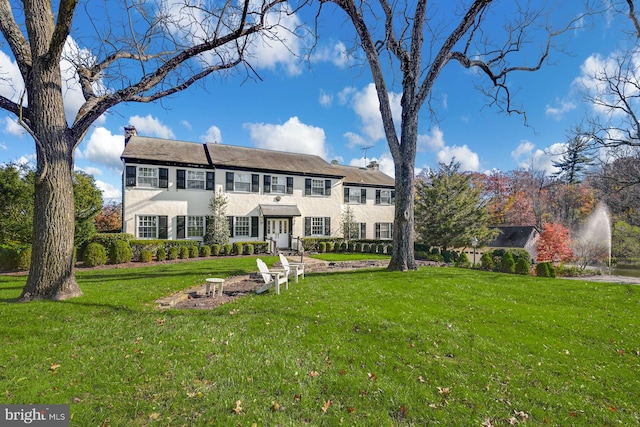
pixel 384 230
pixel 385 197
pixel 278 184
pixel 195 180
pixel 148 177
pixel 317 187
pixel 195 226
pixel 242 182
pixel 147 227
pixel 242 226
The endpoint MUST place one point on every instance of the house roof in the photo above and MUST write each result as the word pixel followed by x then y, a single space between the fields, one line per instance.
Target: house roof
pixel 354 175
pixel 158 150
pixel 139 149
pixel 268 160
pixel 513 236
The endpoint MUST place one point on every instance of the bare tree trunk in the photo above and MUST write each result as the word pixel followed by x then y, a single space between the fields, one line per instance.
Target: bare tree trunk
pixel 51 275
pixel 403 257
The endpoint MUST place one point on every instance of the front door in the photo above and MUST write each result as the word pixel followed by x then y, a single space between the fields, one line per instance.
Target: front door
pixel 278 230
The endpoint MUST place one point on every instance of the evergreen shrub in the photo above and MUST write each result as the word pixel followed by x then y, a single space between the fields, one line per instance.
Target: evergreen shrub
pixel 120 252
pixel 522 267
pixel 94 255
pixel 146 255
pixel 507 265
pixel 161 254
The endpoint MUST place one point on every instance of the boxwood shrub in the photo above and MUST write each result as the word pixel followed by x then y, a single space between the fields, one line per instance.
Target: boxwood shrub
pixel 205 250
pixel 120 252
pixel 161 254
pixel 146 255
pixel 94 255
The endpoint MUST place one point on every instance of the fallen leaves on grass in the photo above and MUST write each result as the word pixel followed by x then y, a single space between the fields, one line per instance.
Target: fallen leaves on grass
pixel 314 374
pixel 238 407
pixel 326 405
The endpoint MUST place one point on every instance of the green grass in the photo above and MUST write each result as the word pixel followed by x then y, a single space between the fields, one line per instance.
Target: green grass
pixel 438 346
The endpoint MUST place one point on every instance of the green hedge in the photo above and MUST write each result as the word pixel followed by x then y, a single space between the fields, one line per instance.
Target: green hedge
pixel 120 252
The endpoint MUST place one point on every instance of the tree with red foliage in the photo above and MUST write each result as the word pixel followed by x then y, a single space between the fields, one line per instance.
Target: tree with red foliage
pixel 109 220
pixel 554 244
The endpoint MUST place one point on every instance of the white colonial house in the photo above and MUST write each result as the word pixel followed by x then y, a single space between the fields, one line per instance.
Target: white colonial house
pixel 271 195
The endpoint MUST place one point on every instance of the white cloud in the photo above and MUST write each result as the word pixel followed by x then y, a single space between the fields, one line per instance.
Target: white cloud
pixel 12 127
pixel 435 142
pixel 468 160
pixel 150 126
pixel 12 85
pixel 186 124
pixel 325 99
pixel 336 54
pixel 543 159
pixel 292 136
pixel 525 148
pixel 3 146
pixel 109 192
pixel 213 135
pixel 367 106
pixel 561 109
pixel 104 148
pixel 93 171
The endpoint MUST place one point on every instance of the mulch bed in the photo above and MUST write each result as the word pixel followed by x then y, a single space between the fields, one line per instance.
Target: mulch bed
pixel 233 290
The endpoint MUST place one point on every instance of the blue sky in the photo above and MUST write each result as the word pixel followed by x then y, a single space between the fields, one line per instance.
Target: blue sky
pixel 328 106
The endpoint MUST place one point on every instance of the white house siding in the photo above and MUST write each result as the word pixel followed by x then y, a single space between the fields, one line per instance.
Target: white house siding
pixel 172 202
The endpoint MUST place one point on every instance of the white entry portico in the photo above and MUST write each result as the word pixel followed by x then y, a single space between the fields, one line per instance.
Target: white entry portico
pixel 278 221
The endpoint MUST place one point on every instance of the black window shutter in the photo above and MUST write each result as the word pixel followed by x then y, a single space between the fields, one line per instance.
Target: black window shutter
pixel 162 227
pixel 255 183
pixel 229 181
pixel 377 197
pixel 363 196
pixel 254 226
pixel 267 184
pixel 363 230
pixel 346 194
pixel 180 231
pixel 230 221
pixel 327 226
pixel 307 187
pixel 377 235
pixel 289 185
pixel 393 196
pixel 164 178
pixel 391 230
pixel 211 180
pixel 307 226
pixel 327 187
pixel 181 181
pixel 131 176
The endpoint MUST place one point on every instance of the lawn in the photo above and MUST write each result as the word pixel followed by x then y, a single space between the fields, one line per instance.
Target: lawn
pixel 437 346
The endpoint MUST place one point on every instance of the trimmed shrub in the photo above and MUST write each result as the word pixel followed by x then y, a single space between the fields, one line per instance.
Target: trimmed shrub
pixel 94 255
pixel 215 249
pixel 380 248
pixel 184 252
pixel 360 247
pixel 545 269
pixel 161 254
pixel 237 248
pixel 330 246
pixel 463 261
pixel 248 249
pixel 120 252
pixel 205 250
pixel 194 252
pixel 322 247
pixel 146 255
pixel 173 253
pixel 486 261
pixel 522 267
pixel 228 249
pixel 507 265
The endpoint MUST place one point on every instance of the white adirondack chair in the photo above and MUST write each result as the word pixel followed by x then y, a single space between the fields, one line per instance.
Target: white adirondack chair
pixel 295 268
pixel 271 278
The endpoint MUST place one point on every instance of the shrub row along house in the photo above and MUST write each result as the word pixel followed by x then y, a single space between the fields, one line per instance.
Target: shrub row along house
pixel 271 195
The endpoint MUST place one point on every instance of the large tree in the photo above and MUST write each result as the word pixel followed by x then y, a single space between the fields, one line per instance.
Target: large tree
pixel 411 43
pixel 118 52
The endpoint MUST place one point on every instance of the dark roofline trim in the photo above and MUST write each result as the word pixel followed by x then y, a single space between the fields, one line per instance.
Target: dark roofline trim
pixel 363 185
pixel 128 160
pixel 276 171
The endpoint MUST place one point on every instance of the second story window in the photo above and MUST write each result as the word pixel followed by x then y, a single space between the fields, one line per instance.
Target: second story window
pixel 195 180
pixel 317 187
pixel 385 197
pixel 148 177
pixel 355 196
pixel 242 182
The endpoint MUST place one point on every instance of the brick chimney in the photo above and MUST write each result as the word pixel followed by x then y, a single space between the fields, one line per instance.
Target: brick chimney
pixel 129 131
